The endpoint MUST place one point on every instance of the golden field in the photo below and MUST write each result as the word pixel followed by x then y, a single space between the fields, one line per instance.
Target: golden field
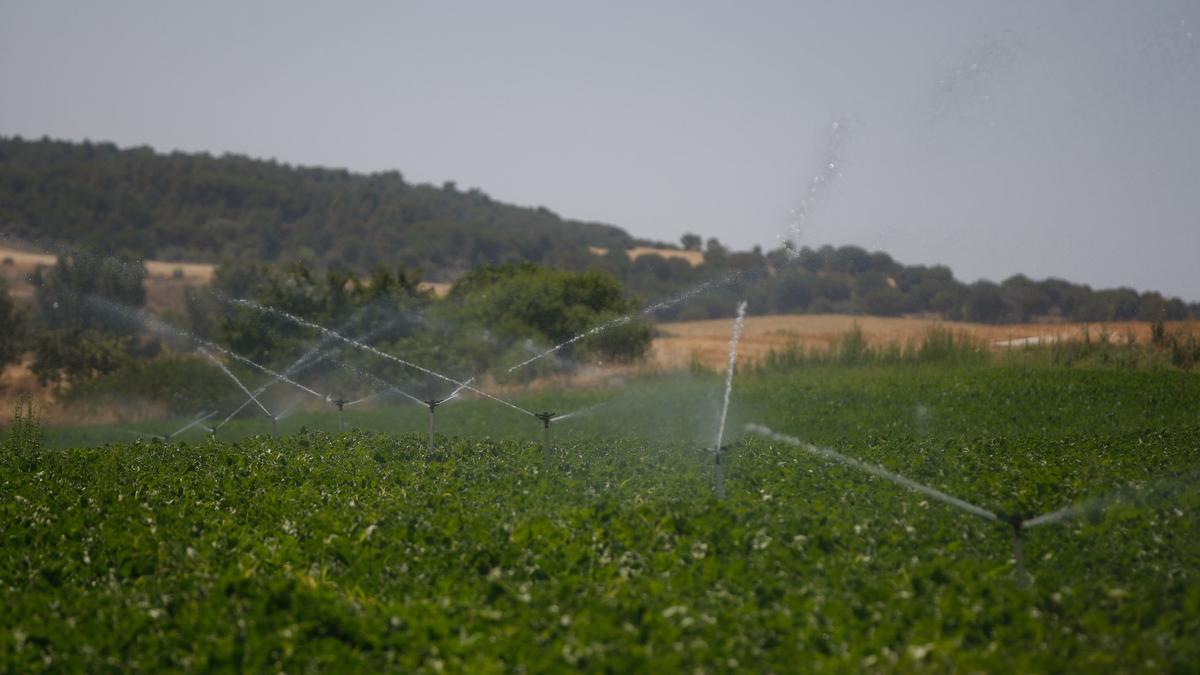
pixel 707 342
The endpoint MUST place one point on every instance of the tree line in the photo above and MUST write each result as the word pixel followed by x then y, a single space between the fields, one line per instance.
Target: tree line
pixel 198 207
pixel 851 280
pixel 242 212
pixel 86 326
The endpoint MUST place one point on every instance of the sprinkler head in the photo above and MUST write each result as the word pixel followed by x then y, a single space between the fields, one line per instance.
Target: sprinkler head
pixel 1015 520
pixel 433 403
pixel 339 402
pixel 545 417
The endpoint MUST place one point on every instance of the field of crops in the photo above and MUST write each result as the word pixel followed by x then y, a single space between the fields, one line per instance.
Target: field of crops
pixel 364 550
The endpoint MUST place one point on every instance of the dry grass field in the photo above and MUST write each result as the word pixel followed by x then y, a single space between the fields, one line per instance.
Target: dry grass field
pixel 693 258
pixel 165 281
pixel 707 342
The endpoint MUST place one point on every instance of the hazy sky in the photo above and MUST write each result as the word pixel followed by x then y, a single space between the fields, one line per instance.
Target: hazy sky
pixel 1052 139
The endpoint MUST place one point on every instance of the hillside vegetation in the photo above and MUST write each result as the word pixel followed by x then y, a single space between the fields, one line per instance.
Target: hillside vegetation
pixel 198 207
pixel 234 209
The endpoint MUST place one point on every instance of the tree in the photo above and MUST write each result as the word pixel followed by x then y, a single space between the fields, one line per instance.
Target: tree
pixel 84 291
pixel 87 305
pixel 691 242
pixel 523 302
pixel 12 327
pixel 715 252
pixel 985 303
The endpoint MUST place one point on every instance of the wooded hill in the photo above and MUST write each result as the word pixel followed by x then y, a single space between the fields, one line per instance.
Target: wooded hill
pixel 202 208
pixel 240 211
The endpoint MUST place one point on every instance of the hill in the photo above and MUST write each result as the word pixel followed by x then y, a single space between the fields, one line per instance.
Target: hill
pixel 202 208
pixel 206 209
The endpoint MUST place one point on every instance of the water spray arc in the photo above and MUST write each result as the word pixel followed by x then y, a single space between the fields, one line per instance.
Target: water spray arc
pixel 372 350
pixel 720 282
pixel 828 171
pixel 832 455
pixel 191 424
pixel 308 359
pixel 239 383
pixel 158 326
pixel 1017 522
pixel 1020 522
pixel 719 449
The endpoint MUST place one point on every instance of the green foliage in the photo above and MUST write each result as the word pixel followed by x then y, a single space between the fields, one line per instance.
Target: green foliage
pixel 365 552
pixel 76 355
pixel 199 207
pixel 85 330
pixel 23 440
pixel 204 208
pixel 938 346
pixel 546 306
pixel 334 299
pixel 72 294
pixel 185 383
pixel 12 328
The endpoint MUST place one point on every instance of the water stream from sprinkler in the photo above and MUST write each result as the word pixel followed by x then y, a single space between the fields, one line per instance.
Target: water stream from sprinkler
pixel 1096 505
pixel 722 281
pixel 388 387
pixel 197 420
pixel 237 381
pixel 829 171
pixel 719 448
pixel 835 456
pixel 372 350
pixel 159 326
pixel 316 354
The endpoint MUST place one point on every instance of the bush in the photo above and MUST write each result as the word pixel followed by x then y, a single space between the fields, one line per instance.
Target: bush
pixel 527 302
pixel 23 442
pixel 185 383
pixel 12 328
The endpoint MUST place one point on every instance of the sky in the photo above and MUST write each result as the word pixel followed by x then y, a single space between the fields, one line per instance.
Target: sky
pixel 1043 138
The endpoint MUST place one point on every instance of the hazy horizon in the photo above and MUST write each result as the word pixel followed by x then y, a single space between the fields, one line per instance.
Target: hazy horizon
pixel 1050 141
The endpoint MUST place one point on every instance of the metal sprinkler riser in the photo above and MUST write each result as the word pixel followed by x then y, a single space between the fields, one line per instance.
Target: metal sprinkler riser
pixel 719 471
pixel 433 403
pixel 545 417
pixel 1016 521
pixel 340 403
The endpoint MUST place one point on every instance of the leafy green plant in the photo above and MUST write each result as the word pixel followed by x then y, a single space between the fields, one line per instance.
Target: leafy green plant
pixel 23 441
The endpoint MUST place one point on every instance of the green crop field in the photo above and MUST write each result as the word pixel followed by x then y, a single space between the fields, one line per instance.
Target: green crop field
pixel 364 550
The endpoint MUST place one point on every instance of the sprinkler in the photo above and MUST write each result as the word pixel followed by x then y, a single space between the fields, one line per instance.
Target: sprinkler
pixel 718 448
pixel 1017 522
pixel 340 403
pixel 166 438
pixel 433 403
pixel 546 417
pixel 719 470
